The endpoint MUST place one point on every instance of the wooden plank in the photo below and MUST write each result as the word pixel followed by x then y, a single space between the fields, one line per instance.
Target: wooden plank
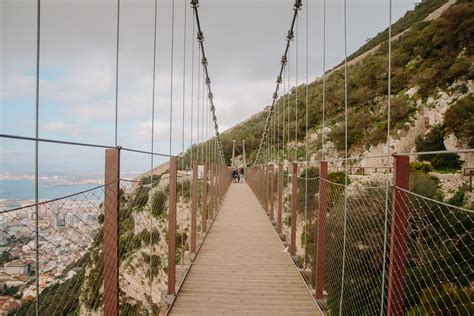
pixel 242 267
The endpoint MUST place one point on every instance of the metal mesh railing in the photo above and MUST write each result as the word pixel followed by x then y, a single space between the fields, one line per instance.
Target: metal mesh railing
pixel 143 250
pixel 384 249
pixel 355 248
pixel 69 240
pixel 439 257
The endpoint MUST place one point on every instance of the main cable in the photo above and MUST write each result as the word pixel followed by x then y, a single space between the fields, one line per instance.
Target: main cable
pixel 297 6
pixel 200 37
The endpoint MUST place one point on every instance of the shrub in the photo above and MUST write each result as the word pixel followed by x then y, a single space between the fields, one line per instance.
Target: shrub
pixel 458 198
pixel 420 167
pixel 459 119
pixel 338 177
pixel 140 198
pixel 434 141
pixel 146 180
pixel 425 185
pixel 158 203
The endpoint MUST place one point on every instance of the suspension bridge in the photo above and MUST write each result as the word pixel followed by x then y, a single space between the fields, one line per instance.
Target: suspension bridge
pixel 291 236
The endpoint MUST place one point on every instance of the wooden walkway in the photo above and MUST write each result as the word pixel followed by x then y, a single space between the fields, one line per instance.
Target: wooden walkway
pixel 242 268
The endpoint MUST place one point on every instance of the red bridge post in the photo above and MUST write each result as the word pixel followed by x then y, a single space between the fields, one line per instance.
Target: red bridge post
pixel 399 237
pixel 172 227
pixel 321 232
pixel 111 219
pixel 294 206
pixel 280 198
pixel 204 198
pixel 194 207
pixel 271 179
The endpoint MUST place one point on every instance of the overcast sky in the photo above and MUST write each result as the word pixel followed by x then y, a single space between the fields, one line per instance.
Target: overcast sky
pixel 244 41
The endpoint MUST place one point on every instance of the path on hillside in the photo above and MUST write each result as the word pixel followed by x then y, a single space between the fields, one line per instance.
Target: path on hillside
pixel 241 268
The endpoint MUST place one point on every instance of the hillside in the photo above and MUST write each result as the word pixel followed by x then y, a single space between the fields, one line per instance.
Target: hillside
pixel 431 72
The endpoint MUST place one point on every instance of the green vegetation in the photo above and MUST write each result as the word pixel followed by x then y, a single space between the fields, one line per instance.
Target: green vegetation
pixel 338 177
pixel 158 203
pixel 140 198
pixel 439 236
pixel 420 167
pixel 434 141
pixel 146 180
pixel 5 257
pixel 431 55
pixel 184 189
pixel 459 119
pixel 444 301
pixel 458 199
pixel 422 10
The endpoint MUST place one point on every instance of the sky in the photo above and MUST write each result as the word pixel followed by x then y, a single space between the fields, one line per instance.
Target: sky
pixel 244 41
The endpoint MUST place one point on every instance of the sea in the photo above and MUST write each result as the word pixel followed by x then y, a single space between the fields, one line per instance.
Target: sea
pixel 12 191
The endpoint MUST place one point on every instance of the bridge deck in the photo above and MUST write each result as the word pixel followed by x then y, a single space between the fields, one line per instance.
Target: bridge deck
pixel 241 268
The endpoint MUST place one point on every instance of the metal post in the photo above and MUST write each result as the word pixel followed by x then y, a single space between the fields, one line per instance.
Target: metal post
pixel 321 232
pixel 233 154
pixel 172 227
pixel 471 173
pixel 399 237
pixel 294 205
pixel 272 189
pixel 111 233
pixel 211 199
pixel 204 198
pixel 280 197
pixel 194 207
pixel 264 188
pixel 243 153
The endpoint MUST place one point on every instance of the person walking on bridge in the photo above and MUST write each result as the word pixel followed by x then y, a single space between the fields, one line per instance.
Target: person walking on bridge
pixel 234 174
pixel 242 173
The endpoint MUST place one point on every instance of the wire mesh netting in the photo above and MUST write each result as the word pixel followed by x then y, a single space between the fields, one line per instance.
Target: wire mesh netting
pixel 69 245
pixel 439 258
pixel 308 191
pixel 142 245
pixel 364 275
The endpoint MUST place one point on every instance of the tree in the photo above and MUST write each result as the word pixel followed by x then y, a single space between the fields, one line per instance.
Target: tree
pixel 434 141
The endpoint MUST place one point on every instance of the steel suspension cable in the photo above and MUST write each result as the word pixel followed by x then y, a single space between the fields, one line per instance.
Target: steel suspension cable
pixel 198 134
pixel 296 8
pixel 37 94
pixel 203 115
pixel 152 164
pixel 183 128
pixel 200 37
pixel 387 180
pixel 117 72
pixel 345 161
pixel 278 129
pixel 306 132
pixel 288 99
pixel 171 75
pixel 192 95
pixel 324 82
pixel 296 88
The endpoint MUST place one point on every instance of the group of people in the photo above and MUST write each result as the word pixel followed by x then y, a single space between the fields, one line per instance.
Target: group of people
pixel 238 175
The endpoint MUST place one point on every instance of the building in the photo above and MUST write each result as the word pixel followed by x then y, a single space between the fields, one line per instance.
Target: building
pixel 17 267
pixel 8 304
